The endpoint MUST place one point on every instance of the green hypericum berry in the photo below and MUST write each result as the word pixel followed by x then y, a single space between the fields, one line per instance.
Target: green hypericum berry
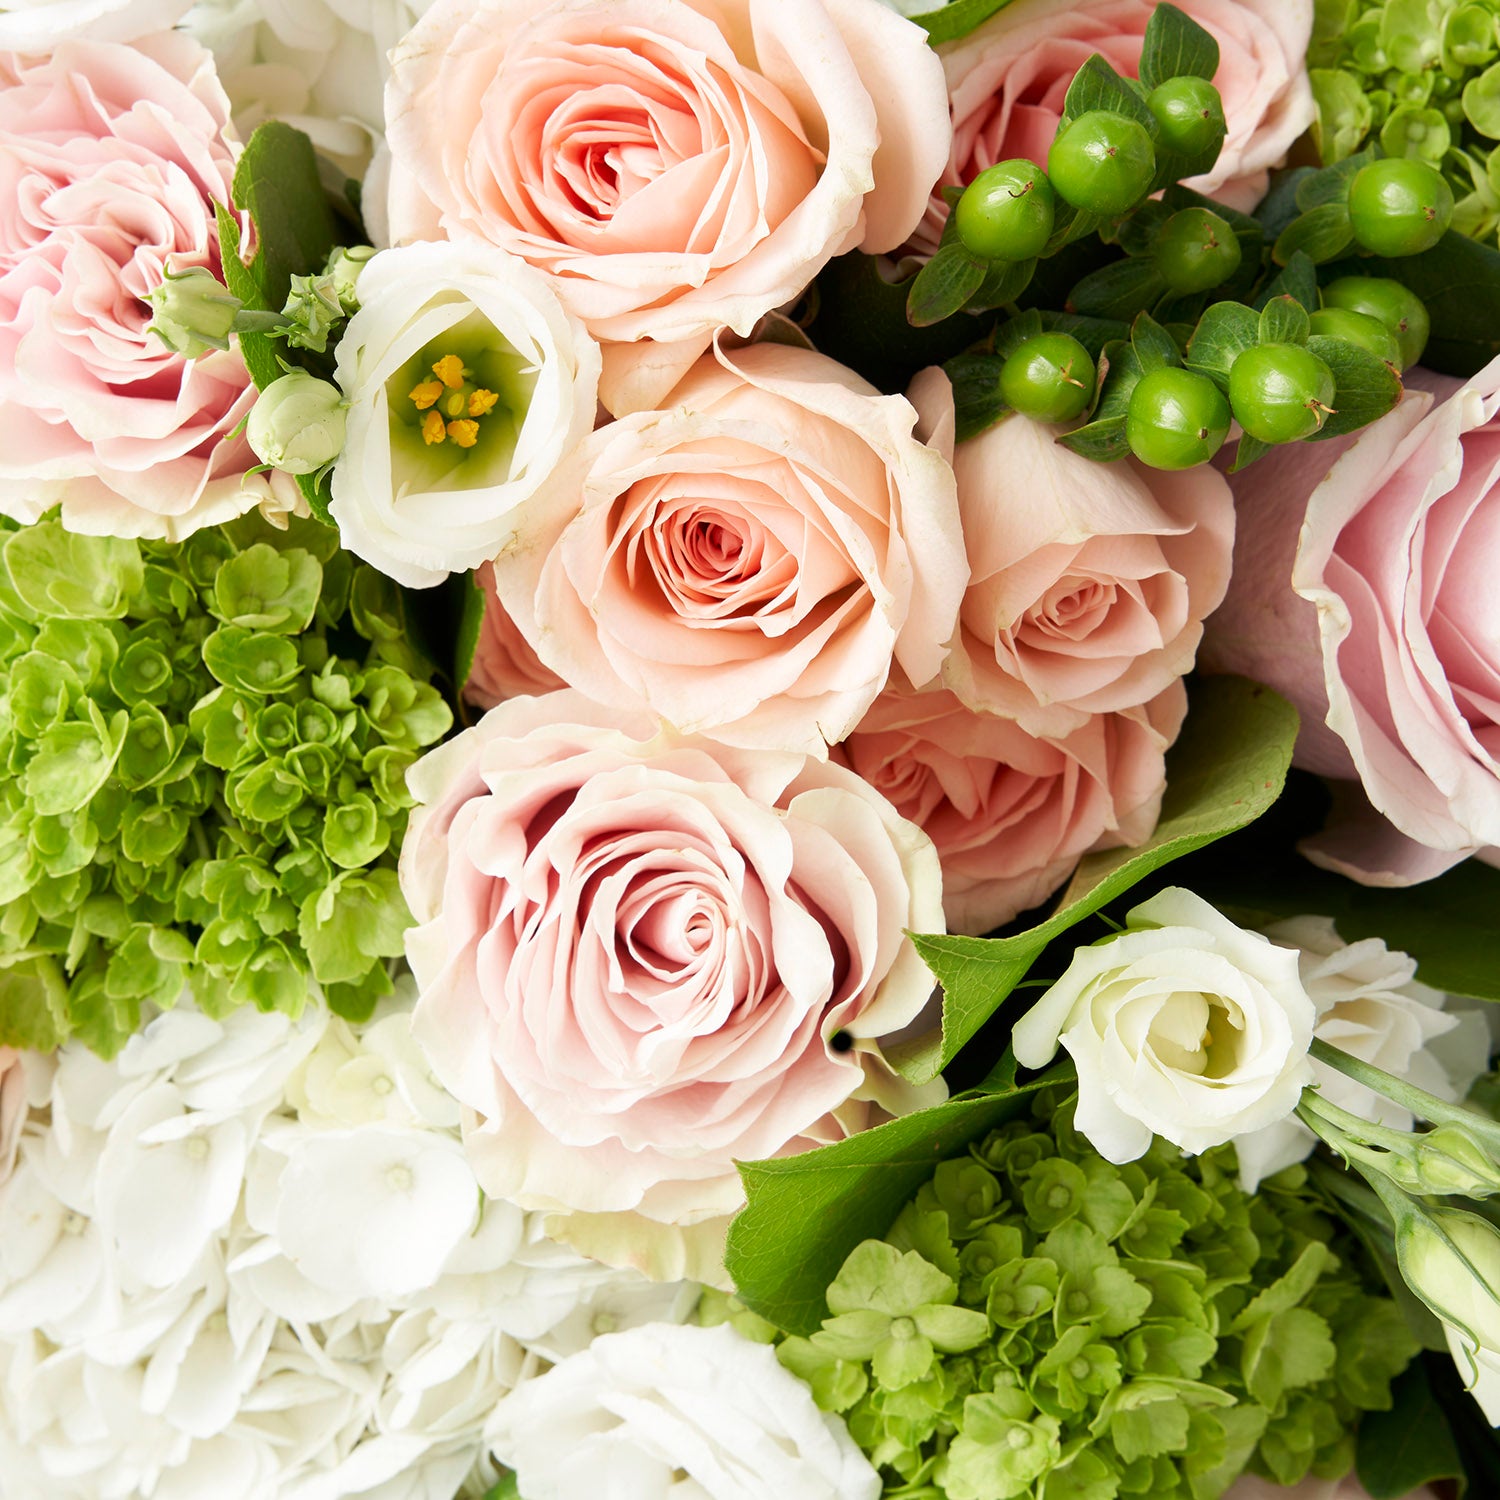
pixel 1400 309
pixel 1102 163
pixel 1399 206
pixel 1006 213
pixel 1049 378
pixel 1280 392
pixel 1195 250
pixel 1360 329
pixel 1176 419
pixel 1190 113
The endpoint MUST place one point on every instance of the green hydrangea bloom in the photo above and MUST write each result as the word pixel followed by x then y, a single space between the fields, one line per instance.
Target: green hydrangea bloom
pixel 1082 1331
pixel 1417 78
pixel 206 745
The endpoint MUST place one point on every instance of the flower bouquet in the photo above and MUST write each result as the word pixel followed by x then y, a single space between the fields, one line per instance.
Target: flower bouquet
pixel 752 748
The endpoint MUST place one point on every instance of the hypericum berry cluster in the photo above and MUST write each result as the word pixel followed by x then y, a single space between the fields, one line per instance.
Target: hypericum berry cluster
pixel 1039 1321
pixel 206 745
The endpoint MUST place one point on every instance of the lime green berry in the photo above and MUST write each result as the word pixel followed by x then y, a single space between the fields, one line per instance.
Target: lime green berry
pixel 1049 378
pixel 1400 309
pixel 1359 329
pixel 1102 163
pixel 1176 419
pixel 1190 113
pixel 1280 392
pixel 1195 250
pixel 1399 206
pixel 1006 213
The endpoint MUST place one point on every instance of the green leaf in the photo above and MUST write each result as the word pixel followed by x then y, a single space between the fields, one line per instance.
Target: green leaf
pixel 470 623
pixel 1153 345
pixel 258 350
pixel 1247 450
pixel 1365 386
pixel 1223 333
pixel 1096 85
pixel 1004 281
pixel 943 286
pixel 1298 278
pixel 977 401
pixel 1331 184
pixel 1120 290
pixel 1321 234
pixel 1225 770
pixel 957 19
pixel 1410 1446
pixel 33 1002
pixel 1103 441
pixel 1287 1290
pixel 1283 320
pixel 804 1214
pixel 1175 45
pixel 505 1490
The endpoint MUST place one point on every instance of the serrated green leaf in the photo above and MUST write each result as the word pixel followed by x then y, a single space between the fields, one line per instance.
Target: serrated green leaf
pixel 1283 320
pixel 804 1214
pixel 1226 769
pixel 1175 45
pixel 1321 234
pixel 943 286
pixel 1365 387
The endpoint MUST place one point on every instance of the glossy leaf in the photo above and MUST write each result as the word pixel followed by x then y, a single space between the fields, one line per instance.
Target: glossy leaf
pixel 1175 45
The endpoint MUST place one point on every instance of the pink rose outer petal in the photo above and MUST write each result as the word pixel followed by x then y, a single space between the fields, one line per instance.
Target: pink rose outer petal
pixel 1359 593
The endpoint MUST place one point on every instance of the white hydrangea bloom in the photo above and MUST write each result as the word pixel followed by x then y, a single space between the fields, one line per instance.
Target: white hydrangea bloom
pixel 247 1258
pixel 1370 1004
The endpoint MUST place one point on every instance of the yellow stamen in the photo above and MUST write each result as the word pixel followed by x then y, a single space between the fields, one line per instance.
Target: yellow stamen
pixel 481 401
pixel 432 428
pixel 426 394
pixel 454 405
pixel 464 433
pixel 450 370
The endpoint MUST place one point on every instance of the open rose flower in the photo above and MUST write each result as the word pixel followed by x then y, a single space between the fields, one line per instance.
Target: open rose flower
pixel 747 562
pixel 1089 581
pixel 677 166
pixel 37 26
pixel 504 664
pixel 115 158
pixel 1011 814
pixel 643 957
pixel 1183 1026
pixel 1364 590
pixel 468 384
pixel 1008 79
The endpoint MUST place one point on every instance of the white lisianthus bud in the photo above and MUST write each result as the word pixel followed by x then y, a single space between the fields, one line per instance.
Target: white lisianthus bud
pixel 1451 1259
pixel 344 267
pixel 297 423
pixel 1183 1026
pixel 194 311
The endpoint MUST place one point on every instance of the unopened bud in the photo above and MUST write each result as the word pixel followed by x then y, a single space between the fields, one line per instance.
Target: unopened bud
pixel 297 423
pixel 345 262
pixel 194 311
pixel 1451 1259
pixel 311 312
pixel 1449 1160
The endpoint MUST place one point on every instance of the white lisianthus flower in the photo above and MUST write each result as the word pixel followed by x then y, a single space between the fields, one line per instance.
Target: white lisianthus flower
pixel 37 26
pixel 697 1413
pixel 1369 1004
pixel 468 384
pixel 1183 1026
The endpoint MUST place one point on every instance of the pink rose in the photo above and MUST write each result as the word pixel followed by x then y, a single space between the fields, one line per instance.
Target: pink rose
pixel 12 1107
pixel 642 957
pixel 504 664
pixel 114 158
pixel 1089 581
pixel 1364 590
pixel 1011 814
pixel 1252 1487
pixel 1008 79
pixel 679 166
pixel 747 562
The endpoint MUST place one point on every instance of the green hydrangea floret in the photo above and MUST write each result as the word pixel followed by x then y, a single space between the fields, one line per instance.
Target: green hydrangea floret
pixel 206 745
pixel 1040 1322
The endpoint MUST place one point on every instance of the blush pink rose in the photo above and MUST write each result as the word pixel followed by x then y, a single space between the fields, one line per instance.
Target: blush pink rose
pixel 1011 814
pixel 678 166
pixel 113 159
pixel 1090 582
pixel 1364 591
pixel 747 562
pixel 1008 79
pixel 504 664
pixel 641 957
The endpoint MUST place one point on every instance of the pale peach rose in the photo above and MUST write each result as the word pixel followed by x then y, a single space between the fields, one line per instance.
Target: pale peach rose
pixel 643 957
pixel 1089 582
pixel 1008 80
pixel 116 158
pixel 12 1107
pixel 1011 814
pixel 504 664
pixel 1364 591
pixel 678 166
pixel 747 562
